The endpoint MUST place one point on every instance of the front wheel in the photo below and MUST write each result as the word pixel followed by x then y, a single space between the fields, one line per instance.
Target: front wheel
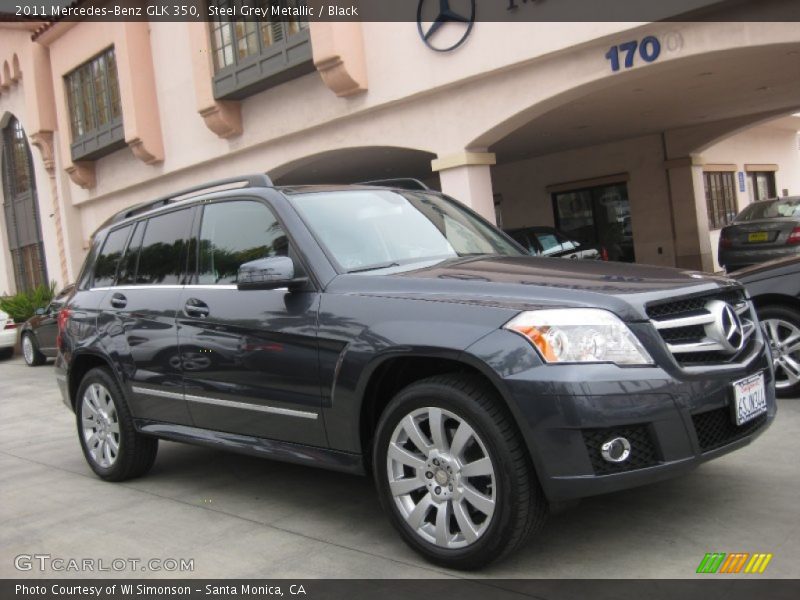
pixel 453 473
pixel 113 448
pixel 781 326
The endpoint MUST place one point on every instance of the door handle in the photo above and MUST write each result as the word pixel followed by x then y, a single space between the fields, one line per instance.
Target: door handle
pixel 118 300
pixel 195 308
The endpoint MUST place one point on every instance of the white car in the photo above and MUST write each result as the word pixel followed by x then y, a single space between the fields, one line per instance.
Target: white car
pixel 8 335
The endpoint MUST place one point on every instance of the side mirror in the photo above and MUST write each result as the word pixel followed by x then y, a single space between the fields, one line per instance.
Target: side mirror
pixel 268 274
pixel 40 311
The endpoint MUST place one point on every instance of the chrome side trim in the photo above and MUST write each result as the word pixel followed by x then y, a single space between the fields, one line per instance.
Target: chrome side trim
pixel 210 286
pixel 137 287
pixel 158 286
pixel 287 412
pixel 160 393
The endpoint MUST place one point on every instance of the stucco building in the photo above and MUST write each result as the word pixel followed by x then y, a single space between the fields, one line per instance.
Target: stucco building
pixel 528 123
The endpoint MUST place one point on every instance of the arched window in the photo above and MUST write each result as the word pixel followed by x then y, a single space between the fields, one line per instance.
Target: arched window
pixel 21 209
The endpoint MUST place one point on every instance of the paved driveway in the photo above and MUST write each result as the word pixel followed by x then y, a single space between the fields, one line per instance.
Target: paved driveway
pixel 244 517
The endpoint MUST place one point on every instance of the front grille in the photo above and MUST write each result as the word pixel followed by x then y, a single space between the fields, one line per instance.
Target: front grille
pixel 686 306
pixel 683 324
pixel 643 450
pixel 716 428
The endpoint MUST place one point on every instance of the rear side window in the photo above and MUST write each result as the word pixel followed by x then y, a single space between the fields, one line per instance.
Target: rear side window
pixel 162 256
pixel 129 263
pixel 105 268
pixel 233 233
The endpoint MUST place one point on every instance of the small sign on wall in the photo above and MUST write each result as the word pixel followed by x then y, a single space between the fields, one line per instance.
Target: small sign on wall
pixel 741 182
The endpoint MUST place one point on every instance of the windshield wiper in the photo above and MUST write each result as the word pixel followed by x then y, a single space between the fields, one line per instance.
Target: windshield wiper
pixel 375 267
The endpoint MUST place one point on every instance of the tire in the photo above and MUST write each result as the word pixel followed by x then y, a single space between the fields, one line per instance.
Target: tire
pixel 6 353
pixel 30 351
pixel 99 396
pixel 780 323
pixel 468 536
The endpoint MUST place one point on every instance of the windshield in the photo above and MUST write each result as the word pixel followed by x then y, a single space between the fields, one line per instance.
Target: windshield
pixel 372 229
pixel 771 209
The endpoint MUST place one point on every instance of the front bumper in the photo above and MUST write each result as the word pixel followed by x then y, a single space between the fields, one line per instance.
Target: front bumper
pixel 674 421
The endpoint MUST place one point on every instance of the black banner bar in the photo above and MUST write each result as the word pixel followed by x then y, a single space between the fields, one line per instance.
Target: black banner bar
pixel 381 589
pixel 402 10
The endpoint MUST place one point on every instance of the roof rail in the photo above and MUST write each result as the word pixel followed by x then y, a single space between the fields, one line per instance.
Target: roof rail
pixel 406 183
pixel 256 180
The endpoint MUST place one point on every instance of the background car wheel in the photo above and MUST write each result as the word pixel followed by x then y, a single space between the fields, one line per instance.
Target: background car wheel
pixel 6 353
pixel 113 448
pixel 453 473
pixel 30 351
pixel 781 326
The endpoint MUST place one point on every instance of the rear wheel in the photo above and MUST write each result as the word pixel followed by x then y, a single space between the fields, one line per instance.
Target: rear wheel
pixel 111 445
pixel 6 353
pixel 30 351
pixel 453 473
pixel 781 326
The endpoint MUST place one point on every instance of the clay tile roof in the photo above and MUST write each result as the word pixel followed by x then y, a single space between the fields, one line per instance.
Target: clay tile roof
pixel 49 24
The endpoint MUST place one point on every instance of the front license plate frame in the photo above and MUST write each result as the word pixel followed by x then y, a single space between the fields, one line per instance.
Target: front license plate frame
pixel 749 398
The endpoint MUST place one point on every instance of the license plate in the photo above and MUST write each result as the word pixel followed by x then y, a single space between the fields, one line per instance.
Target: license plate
pixel 758 236
pixel 750 398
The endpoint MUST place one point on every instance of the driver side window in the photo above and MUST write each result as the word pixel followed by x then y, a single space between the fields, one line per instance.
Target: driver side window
pixel 233 233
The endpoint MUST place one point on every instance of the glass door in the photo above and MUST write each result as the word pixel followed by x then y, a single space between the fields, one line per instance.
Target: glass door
pixel 598 216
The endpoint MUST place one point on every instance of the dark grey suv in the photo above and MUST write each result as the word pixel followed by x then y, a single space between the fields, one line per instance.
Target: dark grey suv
pixel 394 332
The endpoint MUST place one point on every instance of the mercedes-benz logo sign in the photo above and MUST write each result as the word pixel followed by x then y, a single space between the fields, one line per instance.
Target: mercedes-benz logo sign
pixel 443 17
pixel 726 328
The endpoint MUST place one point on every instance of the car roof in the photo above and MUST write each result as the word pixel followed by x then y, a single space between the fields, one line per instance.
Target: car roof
pixel 309 189
pixel 254 183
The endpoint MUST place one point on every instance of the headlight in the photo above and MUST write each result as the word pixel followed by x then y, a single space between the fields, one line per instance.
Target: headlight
pixel 576 335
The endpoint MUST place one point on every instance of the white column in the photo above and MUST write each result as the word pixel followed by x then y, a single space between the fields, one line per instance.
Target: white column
pixel 467 177
pixel 688 199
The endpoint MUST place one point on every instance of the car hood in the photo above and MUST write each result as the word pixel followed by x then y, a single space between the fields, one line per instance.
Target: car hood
pixel 524 283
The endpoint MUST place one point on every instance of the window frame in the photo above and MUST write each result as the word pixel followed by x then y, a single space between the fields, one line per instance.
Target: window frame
pixel 98 140
pixel 101 247
pixel 720 215
pixel 268 66
pixel 752 176
pixel 193 255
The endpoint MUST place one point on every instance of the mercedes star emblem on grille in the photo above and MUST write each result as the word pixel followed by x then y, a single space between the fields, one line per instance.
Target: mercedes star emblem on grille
pixel 726 328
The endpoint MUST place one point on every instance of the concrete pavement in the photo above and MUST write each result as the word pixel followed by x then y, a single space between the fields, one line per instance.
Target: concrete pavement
pixel 238 516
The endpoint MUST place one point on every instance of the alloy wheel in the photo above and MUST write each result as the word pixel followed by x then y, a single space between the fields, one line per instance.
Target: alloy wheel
pixel 100 425
pixel 441 477
pixel 784 340
pixel 28 349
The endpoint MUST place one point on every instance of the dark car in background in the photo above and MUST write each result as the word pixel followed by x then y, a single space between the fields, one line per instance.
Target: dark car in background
pixel 774 287
pixel 765 230
pixel 38 334
pixel 550 242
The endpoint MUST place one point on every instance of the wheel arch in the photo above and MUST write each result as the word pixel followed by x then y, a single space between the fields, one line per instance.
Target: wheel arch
pixel 391 373
pixel 764 300
pixel 82 363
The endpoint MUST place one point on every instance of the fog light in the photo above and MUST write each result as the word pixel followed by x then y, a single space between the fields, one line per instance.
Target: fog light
pixel 616 450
